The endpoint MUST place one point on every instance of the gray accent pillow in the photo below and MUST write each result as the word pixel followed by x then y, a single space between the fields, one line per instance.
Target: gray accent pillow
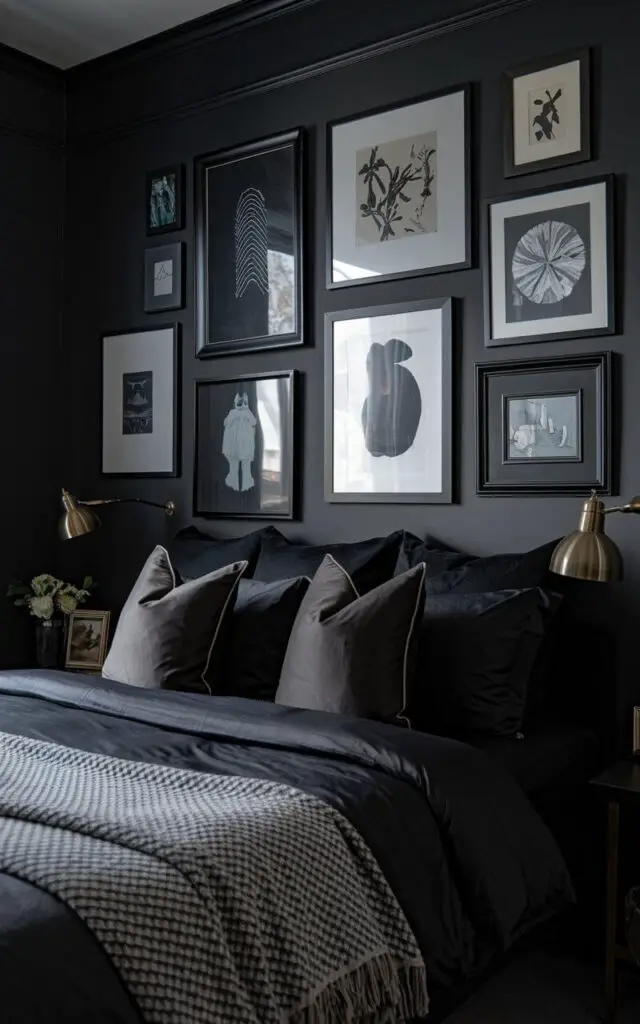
pixel 167 629
pixel 351 653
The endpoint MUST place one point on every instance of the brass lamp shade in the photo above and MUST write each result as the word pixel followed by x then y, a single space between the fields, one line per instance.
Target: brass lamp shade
pixel 77 520
pixel 588 554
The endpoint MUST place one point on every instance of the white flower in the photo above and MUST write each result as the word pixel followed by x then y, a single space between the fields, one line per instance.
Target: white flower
pixel 44 584
pixel 67 603
pixel 41 606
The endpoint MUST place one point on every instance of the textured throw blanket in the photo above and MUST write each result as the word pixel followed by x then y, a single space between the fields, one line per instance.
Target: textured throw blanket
pixel 218 899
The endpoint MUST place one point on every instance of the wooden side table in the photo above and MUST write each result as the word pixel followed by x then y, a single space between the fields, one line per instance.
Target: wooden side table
pixel 620 786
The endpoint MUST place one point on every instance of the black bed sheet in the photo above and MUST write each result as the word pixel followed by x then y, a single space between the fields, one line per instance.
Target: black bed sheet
pixel 549 756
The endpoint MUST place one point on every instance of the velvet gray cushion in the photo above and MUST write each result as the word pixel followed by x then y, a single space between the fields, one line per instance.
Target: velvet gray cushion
pixel 352 653
pixel 167 629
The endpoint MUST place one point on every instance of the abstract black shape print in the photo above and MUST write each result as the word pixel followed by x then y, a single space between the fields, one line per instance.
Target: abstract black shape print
pixel 391 411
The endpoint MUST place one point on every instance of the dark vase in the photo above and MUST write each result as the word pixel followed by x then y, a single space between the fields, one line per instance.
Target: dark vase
pixel 49 644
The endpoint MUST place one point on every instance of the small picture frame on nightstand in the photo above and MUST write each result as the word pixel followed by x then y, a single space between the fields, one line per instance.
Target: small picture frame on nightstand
pixel 636 733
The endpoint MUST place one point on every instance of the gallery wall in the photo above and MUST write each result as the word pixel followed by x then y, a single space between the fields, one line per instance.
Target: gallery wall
pixel 223 84
pixel 32 129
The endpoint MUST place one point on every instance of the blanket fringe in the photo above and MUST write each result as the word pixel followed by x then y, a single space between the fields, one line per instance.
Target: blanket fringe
pixel 365 993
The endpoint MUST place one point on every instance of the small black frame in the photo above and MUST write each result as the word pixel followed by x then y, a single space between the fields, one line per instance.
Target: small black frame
pixel 205 345
pixel 293 470
pixel 512 169
pixel 178 224
pixel 589 376
pixel 173 251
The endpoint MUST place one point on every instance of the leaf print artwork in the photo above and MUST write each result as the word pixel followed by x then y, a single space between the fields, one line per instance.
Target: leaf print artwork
pixel 396 189
pixel 548 262
pixel 546 115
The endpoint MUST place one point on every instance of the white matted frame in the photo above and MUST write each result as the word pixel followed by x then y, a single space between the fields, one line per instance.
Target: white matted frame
pixel 553 253
pixel 398 135
pixel 399 451
pixel 547 113
pixel 140 419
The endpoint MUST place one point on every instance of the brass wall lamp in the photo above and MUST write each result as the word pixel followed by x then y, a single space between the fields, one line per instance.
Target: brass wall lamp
pixel 79 517
pixel 588 554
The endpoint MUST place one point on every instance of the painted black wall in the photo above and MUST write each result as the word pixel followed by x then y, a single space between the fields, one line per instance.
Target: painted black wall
pixel 32 127
pixel 165 103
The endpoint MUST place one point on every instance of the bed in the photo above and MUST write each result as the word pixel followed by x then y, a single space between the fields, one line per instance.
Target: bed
pixel 471 864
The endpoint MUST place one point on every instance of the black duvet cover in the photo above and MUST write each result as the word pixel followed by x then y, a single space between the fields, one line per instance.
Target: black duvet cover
pixel 470 862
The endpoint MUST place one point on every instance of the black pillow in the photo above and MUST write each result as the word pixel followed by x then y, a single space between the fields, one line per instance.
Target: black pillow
pixel 456 572
pixel 368 562
pixel 476 655
pixel 258 631
pixel 195 554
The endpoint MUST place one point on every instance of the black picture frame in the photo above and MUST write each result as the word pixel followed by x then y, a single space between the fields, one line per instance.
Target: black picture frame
pixel 586 376
pixel 445 494
pixel 605 260
pixel 277 162
pixel 156 260
pixel 579 155
pixel 175 175
pixel 211 459
pixel 175 444
pixel 445 267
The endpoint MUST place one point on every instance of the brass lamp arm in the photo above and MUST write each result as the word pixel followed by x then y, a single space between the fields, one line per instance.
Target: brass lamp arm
pixel 631 506
pixel 168 506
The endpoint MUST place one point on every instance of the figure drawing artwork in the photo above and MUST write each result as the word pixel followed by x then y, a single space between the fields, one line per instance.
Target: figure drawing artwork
pixel 397 189
pixel 239 443
pixel 137 403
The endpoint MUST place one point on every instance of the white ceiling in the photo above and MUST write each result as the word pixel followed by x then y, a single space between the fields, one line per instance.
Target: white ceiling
pixel 67 32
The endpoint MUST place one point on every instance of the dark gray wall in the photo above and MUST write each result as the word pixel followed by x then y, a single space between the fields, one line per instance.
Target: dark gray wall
pixel 32 127
pixel 159 105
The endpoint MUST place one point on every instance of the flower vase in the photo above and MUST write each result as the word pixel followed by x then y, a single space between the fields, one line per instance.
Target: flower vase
pixel 49 644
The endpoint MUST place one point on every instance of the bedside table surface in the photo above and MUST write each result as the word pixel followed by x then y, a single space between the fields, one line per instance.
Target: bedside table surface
pixel 623 777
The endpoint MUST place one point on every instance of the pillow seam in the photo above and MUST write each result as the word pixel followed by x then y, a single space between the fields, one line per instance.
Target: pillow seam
pixel 221 616
pixel 400 715
pixel 344 573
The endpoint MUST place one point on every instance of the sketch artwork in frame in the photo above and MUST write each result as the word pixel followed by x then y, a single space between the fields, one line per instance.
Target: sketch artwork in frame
pixel 245 447
pixel 550 264
pixel 249 245
pixel 547 121
pixel 87 640
pixel 140 402
pixel 163 277
pixel 399 201
pixel 544 425
pixel 388 403
pixel 165 200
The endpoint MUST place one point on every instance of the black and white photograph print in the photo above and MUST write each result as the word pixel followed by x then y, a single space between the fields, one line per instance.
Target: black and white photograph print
pixel 551 264
pixel 165 200
pixel 399 191
pixel 249 247
pixel 87 640
pixel 544 425
pixel 388 415
pixel 137 402
pixel 163 277
pixel 140 402
pixel 546 114
pixel 245 447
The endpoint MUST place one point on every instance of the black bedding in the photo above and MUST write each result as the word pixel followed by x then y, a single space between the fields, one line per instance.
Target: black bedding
pixel 553 755
pixel 470 862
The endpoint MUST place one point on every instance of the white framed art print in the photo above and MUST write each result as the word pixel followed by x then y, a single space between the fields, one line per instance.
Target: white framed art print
pixel 139 402
pixel 550 264
pixel 399 191
pixel 388 412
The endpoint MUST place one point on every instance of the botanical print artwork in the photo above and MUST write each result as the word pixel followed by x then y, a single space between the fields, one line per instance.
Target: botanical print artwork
pixel 163 277
pixel 396 189
pixel 162 201
pixel 544 428
pixel 239 444
pixel 137 403
pixel 251 242
pixel 392 409
pixel 86 641
pixel 547 117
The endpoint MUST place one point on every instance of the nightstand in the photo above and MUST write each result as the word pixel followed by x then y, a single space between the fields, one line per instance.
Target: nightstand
pixel 620 786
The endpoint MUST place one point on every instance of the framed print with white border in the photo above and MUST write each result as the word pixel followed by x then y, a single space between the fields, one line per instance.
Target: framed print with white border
pixel 140 402
pixel 388 403
pixel 547 117
pixel 163 277
pixel 549 266
pixel 398 182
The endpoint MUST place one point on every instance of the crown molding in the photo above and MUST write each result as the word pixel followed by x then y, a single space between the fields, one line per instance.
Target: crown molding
pixel 14 62
pixel 482 11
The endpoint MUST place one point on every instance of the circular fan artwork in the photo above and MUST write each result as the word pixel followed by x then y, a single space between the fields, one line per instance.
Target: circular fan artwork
pixel 548 262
